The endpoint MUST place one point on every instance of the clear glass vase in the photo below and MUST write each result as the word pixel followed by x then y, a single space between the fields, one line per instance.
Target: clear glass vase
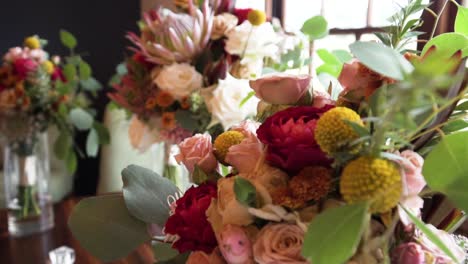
pixel 26 175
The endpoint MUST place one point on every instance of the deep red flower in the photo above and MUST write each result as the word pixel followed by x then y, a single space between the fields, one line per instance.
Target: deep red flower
pixel 289 135
pixel 189 220
pixel 241 14
pixel 140 58
pixel 24 66
pixel 58 75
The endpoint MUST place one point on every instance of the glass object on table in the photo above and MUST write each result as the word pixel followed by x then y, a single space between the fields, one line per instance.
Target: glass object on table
pixel 62 255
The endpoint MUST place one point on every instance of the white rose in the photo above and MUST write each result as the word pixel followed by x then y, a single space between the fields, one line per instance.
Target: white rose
pixel 225 100
pixel 260 44
pixel 180 80
pixel 222 24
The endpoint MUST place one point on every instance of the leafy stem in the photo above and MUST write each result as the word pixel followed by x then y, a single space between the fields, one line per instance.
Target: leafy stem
pixel 436 23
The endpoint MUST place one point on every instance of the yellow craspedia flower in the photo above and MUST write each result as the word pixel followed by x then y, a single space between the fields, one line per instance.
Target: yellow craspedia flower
pixel 32 42
pixel 224 141
pixel 372 179
pixel 333 134
pixel 256 17
pixel 48 66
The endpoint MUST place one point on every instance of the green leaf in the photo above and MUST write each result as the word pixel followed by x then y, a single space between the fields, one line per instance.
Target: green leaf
pixel 198 175
pixel 447 44
pixel 315 28
pixel 85 70
pixel 164 251
pixel 92 143
pixel 328 57
pixel 69 71
pixel 104 227
pixel 381 59
pixel 462 107
pixel 445 168
pixel 247 98
pixel 146 194
pixel 68 40
pixel 334 235
pixel 185 120
pixel 71 161
pixel 461 21
pixel 62 145
pixel 454 126
pixel 245 191
pixel 91 84
pixel 433 237
pixel 81 119
pixel 333 70
pixel 359 129
pixel 103 133
pixel 121 69
pixel 343 55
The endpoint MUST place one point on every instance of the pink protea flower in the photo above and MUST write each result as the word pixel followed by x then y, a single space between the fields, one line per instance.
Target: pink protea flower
pixel 169 37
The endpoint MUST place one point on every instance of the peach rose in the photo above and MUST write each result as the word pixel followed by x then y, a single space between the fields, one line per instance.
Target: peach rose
pixel 235 245
pixel 279 243
pixel 246 155
pixel 281 88
pixel 321 98
pixel 197 150
pixel 198 257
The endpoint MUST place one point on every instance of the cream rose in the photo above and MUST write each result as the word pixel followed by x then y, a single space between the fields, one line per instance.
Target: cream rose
pixel 225 102
pixel 179 79
pixel 222 24
pixel 279 243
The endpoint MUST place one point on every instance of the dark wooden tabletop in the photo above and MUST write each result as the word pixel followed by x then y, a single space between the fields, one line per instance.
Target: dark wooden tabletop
pixel 35 249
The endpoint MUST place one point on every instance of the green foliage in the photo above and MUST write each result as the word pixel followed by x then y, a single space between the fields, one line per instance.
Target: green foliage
pixel 71 161
pixel 81 119
pixel 85 70
pixel 433 237
pixel 334 235
pixel 449 157
pixel 315 28
pixel 247 98
pixel 381 59
pixel 68 40
pixel 245 191
pixel 92 143
pixel 332 63
pixel 103 133
pixel 146 193
pixel 62 145
pixel 91 84
pixel 69 70
pixel 104 227
pixel 447 44
pixel 343 55
pixel 461 21
pixel 164 251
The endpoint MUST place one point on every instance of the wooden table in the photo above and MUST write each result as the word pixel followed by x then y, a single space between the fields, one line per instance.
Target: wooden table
pixel 35 249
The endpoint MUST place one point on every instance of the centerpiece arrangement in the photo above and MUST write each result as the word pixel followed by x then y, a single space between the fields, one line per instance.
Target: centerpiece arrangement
pixel 38 91
pixel 189 70
pixel 317 178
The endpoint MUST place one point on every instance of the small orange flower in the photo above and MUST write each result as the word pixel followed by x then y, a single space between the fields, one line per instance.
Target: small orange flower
pixel 312 183
pixel 168 120
pixel 19 88
pixel 26 102
pixel 185 103
pixel 283 196
pixel 150 103
pixel 164 99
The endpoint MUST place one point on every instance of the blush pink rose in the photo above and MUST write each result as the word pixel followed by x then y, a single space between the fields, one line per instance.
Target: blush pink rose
pixel 281 89
pixel 197 150
pixel 247 127
pixel 408 253
pixel 235 245
pixel 245 156
pixel 321 99
pixel 412 164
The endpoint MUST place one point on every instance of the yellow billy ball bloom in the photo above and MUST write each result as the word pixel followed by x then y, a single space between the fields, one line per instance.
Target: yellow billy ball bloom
pixel 375 180
pixel 224 141
pixel 256 17
pixel 32 42
pixel 48 66
pixel 333 134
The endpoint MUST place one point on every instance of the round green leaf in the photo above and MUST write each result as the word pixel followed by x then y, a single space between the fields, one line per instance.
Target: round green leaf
pixel 447 44
pixel 85 70
pixel 81 119
pixel 334 235
pixel 104 227
pixel 461 20
pixel 92 143
pixel 446 168
pixel 68 40
pixel 315 27
pixel 146 194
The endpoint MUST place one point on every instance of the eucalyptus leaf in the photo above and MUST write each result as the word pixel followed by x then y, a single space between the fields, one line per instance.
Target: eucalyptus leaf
pixel 81 119
pixel 381 59
pixel 69 70
pixel 328 57
pixel 447 44
pixel 121 69
pixel 343 55
pixel 164 251
pixel 92 143
pixel 461 20
pixel 71 161
pixel 315 28
pixel 146 194
pixel 245 192
pixel 104 227
pixel 334 235
pixel 445 168
pixel 91 84
pixel 68 40
pixel 85 70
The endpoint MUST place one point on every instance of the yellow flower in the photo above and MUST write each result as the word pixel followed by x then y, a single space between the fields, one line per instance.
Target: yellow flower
pixel 48 66
pixel 256 17
pixel 333 134
pixel 224 141
pixel 32 42
pixel 375 180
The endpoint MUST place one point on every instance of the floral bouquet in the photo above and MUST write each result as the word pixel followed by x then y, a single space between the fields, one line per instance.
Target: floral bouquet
pixel 320 179
pixel 38 91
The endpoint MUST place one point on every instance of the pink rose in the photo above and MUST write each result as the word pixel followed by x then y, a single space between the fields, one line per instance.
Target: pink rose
pixel 197 257
pixel 281 89
pixel 247 127
pixel 408 253
pixel 321 98
pixel 245 156
pixel 235 245
pixel 197 150
pixel 13 54
pixel 412 164
pixel 279 243
pixel 23 67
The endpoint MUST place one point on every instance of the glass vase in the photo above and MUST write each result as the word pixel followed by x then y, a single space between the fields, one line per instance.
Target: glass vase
pixel 26 175
pixel 175 172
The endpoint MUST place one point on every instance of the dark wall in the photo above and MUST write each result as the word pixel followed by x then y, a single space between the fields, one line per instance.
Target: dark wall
pixel 100 27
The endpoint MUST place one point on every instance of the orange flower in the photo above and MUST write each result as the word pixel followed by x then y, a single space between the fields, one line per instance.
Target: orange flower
pixel 26 102
pixel 150 103
pixel 312 183
pixel 164 99
pixel 168 120
pixel 283 196
pixel 19 88
pixel 185 103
